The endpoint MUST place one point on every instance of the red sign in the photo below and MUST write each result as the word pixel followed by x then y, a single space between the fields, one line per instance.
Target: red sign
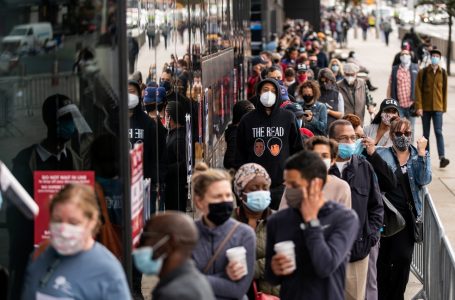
pixel 46 185
pixel 137 192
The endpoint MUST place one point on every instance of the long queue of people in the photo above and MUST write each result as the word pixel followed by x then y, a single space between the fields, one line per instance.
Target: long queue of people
pixel 303 215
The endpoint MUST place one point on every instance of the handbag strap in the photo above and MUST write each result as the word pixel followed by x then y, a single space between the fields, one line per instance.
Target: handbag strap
pixel 220 247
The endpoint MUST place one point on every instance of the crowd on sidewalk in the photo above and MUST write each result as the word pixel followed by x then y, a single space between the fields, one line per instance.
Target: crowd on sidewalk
pixel 309 206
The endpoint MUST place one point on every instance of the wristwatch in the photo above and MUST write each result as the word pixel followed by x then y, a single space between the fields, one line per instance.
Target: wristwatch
pixel 311 224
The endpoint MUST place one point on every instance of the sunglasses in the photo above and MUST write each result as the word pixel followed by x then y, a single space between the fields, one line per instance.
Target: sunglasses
pixel 399 133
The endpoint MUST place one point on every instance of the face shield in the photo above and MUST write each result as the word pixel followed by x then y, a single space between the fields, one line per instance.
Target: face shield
pixel 79 121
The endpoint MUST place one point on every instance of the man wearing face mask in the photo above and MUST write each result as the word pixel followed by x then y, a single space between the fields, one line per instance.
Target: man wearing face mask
pixel 335 188
pixel 402 84
pixel 142 131
pixel 276 128
pixel 355 92
pixel 321 230
pixel 431 101
pixel 366 202
pixel 165 251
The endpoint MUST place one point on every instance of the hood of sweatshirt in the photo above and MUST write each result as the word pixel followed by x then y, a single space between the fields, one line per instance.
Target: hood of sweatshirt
pixel 276 106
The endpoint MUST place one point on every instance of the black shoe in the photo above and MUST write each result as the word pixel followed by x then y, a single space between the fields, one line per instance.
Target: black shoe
pixel 373 88
pixel 443 162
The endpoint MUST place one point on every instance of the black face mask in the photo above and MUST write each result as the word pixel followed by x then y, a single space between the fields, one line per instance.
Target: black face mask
pixel 166 85
pixel 220 212
pixel 149 108
pixel 307 98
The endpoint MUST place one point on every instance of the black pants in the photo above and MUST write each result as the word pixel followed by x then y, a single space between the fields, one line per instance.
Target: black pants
pixel 394 262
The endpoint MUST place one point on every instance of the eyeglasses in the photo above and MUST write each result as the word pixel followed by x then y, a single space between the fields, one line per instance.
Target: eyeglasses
pixel 346 139
pixel 399 133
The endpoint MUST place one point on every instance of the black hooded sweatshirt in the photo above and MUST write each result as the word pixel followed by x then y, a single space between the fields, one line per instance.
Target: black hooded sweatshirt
pixel 268 140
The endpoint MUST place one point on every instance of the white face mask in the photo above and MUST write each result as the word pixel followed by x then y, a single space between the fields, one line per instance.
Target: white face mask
pixel 350 79
pixel 328 163
pixel 405 59
pixel 67 239
pixel 289 83
pixel 268 99
pixel 133 101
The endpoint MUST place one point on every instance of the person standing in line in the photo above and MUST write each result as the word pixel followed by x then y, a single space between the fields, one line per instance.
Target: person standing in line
pixel 321 231
pixel 330 96
pixel 355 92
pixel 240 109
pixel 431 101
pixel 413 168
pixel 315 112
pixel 252 187
pixel 402 85
pixel 218 232
pixel 378 130
pixel 268 136
pixel 74 264
pixel 165 251
pixel 366 201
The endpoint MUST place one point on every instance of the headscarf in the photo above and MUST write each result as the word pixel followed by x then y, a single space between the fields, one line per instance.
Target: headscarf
pixel 246 173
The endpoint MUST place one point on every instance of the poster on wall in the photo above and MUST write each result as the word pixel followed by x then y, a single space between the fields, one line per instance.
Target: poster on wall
pixel 137 192
pixel 46 185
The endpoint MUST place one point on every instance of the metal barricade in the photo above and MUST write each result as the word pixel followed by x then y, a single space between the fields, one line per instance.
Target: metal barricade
pixel 433 261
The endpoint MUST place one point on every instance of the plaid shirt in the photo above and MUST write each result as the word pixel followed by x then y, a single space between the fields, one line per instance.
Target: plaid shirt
pixel 404 87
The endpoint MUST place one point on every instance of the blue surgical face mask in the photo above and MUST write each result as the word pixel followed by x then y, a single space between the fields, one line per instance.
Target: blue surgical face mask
pixel 335 68
pixel 345 151
pixel 435 60
pixel 299 123
pixel 143 258
pixel 258 201
pixel 66 129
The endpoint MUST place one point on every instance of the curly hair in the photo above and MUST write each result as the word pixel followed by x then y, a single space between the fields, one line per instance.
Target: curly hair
pixel 312 84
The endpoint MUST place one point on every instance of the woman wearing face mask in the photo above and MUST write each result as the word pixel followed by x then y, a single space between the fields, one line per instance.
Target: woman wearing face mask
pixel 252 186
pixel 74 264
pixel 380 126
pixel 218 232
pixel 335 67
pixel 315 117
pixel 412 168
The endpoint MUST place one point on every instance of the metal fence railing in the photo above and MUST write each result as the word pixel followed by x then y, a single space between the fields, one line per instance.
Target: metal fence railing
pixel 433 262
pixel 26 94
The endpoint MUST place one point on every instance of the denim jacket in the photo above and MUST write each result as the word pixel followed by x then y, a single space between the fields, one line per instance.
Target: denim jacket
pixel 317 125
pixel 419 172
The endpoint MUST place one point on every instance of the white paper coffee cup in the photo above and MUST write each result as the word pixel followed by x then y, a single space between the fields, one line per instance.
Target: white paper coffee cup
pixel 287 248
pixel 238 254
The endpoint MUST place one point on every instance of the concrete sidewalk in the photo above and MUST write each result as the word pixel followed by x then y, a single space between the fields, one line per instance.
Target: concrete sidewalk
pixel 376 57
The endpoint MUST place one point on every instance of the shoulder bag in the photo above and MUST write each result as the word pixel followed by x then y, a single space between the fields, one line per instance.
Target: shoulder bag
pixel 393 220
pixel 109 234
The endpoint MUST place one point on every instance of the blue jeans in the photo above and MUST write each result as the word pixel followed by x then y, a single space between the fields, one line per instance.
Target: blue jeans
pixel 406 113
pixel 437 124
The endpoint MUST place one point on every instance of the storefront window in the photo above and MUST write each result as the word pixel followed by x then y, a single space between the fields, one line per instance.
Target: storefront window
pixel 60 111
